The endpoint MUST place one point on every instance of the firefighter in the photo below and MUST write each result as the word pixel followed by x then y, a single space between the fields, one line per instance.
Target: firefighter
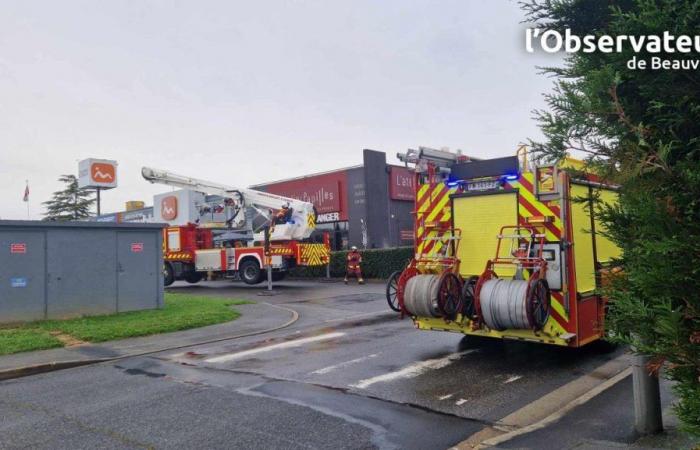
pixel 353 265
pixel 283 214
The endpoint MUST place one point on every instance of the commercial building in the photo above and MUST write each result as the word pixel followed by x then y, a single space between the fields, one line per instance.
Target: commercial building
pixel 369 205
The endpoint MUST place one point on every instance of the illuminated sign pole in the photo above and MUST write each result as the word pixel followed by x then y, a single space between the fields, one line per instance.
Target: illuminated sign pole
pixel 98 174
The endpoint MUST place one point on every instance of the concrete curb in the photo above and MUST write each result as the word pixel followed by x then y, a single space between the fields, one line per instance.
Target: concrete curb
pixel 24 371
pixel 19 372
pixel 552 406
pixel 37 369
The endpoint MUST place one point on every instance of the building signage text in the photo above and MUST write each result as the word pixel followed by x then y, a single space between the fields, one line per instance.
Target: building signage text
pixel 402 184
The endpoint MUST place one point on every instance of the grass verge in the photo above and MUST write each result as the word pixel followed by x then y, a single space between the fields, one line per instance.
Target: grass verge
pixel 181 312
pixel 15 340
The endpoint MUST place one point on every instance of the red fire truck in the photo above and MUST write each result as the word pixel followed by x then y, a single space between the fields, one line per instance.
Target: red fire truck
pixel 235 248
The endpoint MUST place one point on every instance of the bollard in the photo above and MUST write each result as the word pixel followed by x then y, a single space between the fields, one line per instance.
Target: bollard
pixel 328 271
pixel 269 277
pixel 647 398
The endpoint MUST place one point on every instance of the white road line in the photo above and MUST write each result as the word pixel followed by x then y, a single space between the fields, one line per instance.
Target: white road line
pixel 445 397
pixel 412 371
pixel 343 364
pixel 281 345
pixel 373 314
pixel 461 401
pixel 513 378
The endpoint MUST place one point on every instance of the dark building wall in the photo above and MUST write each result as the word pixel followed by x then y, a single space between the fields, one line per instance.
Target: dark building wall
pixel 401 220
pixel 357 201
pixel 377 199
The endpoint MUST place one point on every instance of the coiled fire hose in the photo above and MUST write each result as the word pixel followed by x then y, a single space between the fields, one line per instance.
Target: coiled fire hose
pixel 420 297
pixel 514 304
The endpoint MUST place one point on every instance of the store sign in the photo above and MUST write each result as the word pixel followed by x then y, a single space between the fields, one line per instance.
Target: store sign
pixel 402 184
pixel 325 195
pixel 328 217
pixel 168 207
pixel 97 173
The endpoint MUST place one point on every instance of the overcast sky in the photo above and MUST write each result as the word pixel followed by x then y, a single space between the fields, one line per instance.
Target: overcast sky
pixel 244 92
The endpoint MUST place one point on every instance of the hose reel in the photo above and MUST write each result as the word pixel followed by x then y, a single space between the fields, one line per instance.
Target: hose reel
pixel 514 304
pixel 420 297
pixel 434 295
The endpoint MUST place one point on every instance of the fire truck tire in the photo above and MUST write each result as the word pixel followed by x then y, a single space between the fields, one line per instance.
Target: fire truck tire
pixel 392 291
pixel 193 277
pixel 276 276
pixel 468 305
pixel 603 346
pixel 168 274
pixel 250 272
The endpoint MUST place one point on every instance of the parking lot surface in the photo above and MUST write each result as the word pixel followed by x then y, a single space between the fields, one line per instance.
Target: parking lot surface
pixel 347 374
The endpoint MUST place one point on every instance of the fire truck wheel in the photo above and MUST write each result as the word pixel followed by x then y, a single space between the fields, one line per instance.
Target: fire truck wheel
pixel 168 274
pixel 276 276
pixel 468 289
pixel 193 277
pixel 392 291
pixel 603 346
pixel 250 272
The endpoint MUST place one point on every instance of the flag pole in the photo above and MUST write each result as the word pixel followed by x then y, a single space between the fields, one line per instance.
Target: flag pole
pixel 27 186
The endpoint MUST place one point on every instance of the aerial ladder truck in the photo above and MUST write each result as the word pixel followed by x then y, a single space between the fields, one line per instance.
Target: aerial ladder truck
pixel 236 247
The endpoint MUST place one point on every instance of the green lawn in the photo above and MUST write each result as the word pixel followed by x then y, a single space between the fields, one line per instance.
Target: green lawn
pixel 15 340
pixel 181 312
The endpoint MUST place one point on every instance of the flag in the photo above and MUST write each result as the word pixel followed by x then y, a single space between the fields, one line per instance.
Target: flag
pixel 26 194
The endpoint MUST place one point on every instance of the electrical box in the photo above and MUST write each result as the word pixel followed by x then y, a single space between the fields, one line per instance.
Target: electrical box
pixel 552 253
pixel 57 270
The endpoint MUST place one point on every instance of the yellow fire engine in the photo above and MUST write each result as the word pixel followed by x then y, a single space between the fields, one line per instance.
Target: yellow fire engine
pixel 505 250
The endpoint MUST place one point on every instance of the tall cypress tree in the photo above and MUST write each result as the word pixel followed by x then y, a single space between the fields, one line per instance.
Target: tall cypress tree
pixel 71 203
pixel 641 129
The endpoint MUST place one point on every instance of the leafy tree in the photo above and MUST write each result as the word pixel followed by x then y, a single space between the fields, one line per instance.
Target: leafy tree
pixel 640 129
pixel 72 203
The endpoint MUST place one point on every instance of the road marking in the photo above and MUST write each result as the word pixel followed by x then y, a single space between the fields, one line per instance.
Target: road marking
pixel 412 371
pixel 445 397
pixel 513 378
pixel 356 316
pixel 343 364
pixel 461 401
pixel 269 348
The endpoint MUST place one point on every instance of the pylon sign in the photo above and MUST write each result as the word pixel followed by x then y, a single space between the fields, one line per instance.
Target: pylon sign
pixel 97 173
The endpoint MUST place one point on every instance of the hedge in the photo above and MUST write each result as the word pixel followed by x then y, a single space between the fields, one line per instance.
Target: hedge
pixel 376 263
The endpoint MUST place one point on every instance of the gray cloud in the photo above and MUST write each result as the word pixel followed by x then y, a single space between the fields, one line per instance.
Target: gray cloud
pixel 245 92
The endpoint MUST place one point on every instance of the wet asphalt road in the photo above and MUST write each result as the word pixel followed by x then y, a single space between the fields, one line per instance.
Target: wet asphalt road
pixel 346 375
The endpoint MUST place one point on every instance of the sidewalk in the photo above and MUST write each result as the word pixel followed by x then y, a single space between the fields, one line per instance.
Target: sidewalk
pixel 255 318
pixel 606 422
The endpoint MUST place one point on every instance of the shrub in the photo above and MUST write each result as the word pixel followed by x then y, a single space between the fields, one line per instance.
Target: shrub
pixel 376 263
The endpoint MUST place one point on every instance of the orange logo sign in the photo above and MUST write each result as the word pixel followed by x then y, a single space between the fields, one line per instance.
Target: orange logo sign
pixel 102 173
pixel 168 207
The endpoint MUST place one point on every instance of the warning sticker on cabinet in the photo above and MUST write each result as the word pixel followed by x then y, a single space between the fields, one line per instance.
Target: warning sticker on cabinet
pixel 18 247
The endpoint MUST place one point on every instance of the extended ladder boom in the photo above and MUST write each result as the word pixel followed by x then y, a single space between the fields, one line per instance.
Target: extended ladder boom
pixel 303 217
